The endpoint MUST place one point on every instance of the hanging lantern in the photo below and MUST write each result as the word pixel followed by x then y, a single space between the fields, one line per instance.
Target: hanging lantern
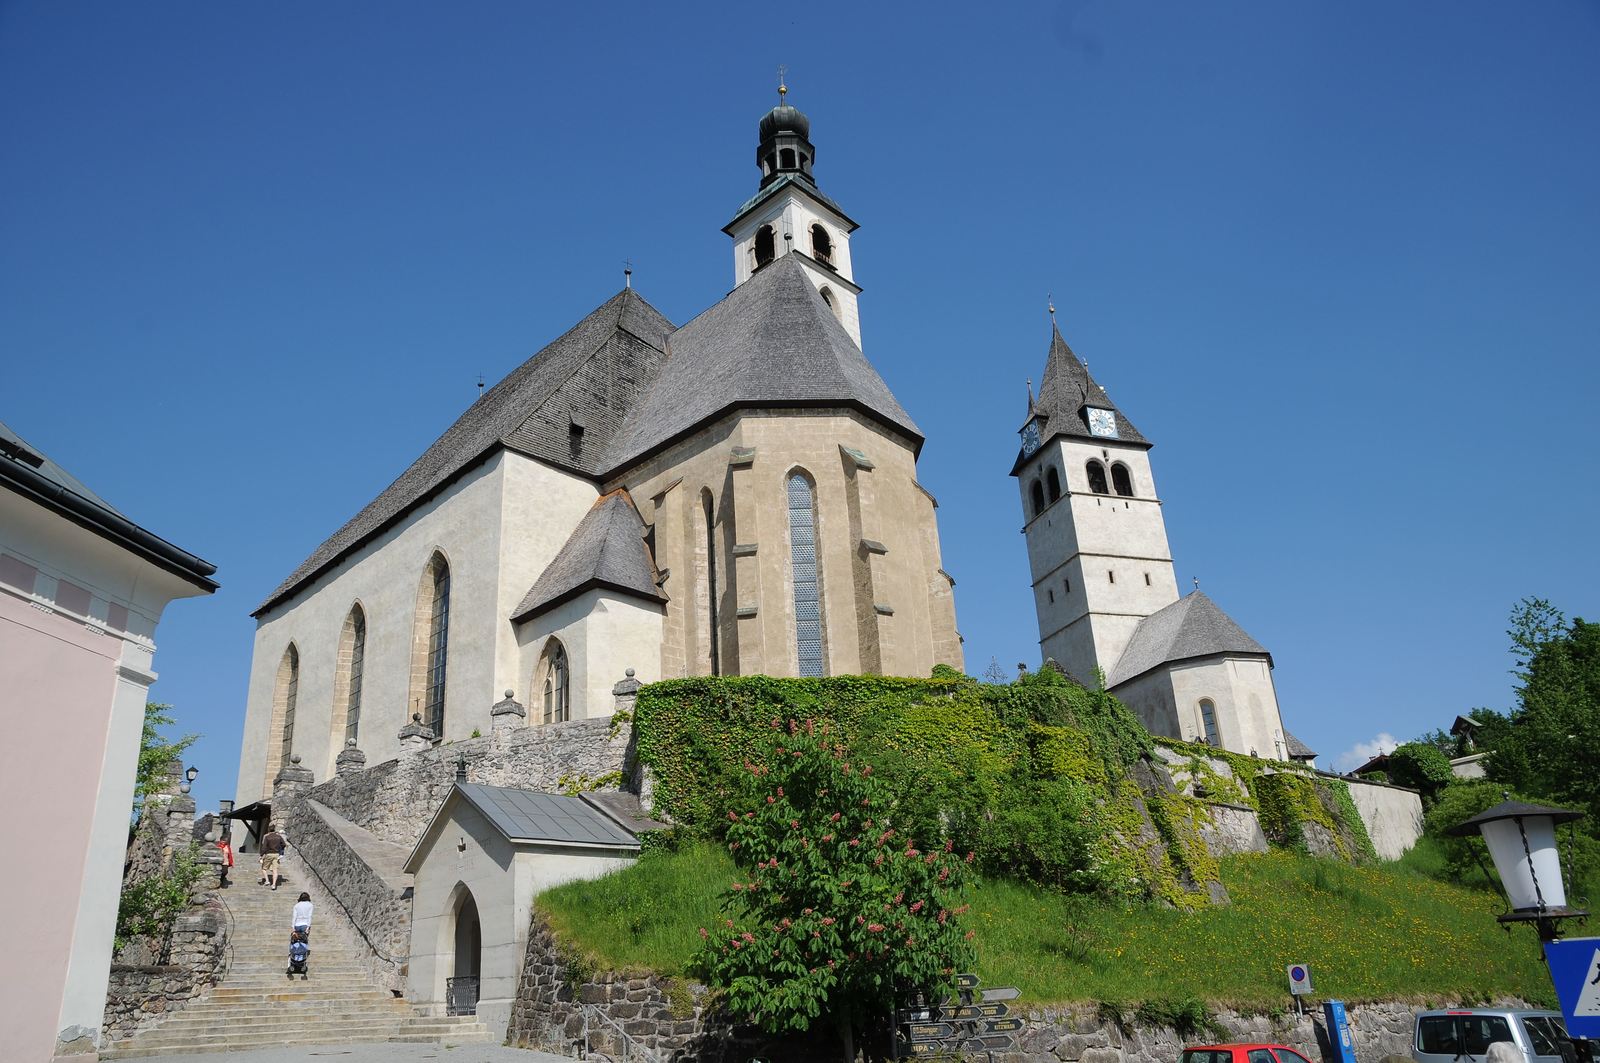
pixel 1522 842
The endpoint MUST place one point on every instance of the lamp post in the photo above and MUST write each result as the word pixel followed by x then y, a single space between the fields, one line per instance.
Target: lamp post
pixel 188 779
pixel 1522 842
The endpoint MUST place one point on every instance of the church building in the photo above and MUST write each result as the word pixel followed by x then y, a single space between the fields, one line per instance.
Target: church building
pixel 1103 583
pixel 736 495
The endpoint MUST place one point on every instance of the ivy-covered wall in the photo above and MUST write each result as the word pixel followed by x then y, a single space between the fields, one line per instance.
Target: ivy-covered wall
pixel 1042 779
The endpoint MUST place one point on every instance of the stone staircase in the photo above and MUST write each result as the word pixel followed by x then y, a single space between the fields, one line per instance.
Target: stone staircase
pixel 257 1005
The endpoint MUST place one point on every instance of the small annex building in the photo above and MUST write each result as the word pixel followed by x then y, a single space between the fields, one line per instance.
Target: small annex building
pixel 486 854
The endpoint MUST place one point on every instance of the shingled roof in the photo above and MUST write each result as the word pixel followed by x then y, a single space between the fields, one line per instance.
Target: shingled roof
pixel 1066 391
pixel 605 550
pixel 1193 626
pixel 771 342
pixel 562 406
pixel 1297 749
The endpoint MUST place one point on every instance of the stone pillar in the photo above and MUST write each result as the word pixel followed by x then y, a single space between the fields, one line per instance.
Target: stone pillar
pixel 415 736
pixel 210 858
pixel 291 782
pixel 350 759
pixel 507 715
pixel 179 827
pixel 626 691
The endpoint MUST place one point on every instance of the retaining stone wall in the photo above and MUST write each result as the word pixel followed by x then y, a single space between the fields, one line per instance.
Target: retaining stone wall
pixel 142 995
pixel 394 800
pixel 668 1016
pixel 341 880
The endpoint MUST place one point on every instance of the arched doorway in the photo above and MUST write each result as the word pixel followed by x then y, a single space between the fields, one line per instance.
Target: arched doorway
pixel 461 988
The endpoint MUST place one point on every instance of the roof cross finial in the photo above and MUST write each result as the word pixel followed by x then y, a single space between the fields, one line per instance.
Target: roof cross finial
pixel 1196 582
pixel 627 273
pixel 783 90
pixel 480 383
pixel 1030 394
pixel 1050 304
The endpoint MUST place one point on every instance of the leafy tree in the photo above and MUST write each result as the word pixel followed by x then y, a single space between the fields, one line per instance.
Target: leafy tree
pixel 1467 857
pixel 1550 746
pixel 837 906
pixel 156 753
pixel 1421 767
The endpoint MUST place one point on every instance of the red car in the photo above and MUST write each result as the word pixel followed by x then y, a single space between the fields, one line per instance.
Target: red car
pixel 1242 1053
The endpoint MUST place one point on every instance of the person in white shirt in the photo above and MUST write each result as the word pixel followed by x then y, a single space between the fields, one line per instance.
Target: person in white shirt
pixel 301 920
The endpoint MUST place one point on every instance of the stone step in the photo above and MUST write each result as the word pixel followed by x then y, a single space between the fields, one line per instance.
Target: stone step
pixel 131 1051
pixel 308 1011
pixel 283 1033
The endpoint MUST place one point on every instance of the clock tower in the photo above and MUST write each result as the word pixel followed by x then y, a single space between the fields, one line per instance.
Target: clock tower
pixel 1097 542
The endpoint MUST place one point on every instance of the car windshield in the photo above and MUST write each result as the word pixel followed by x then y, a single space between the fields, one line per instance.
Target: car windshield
pixel 1208 1055
pixel 1545 1034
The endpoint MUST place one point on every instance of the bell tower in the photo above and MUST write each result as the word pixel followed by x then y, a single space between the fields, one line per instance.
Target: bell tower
pixel 1097 542
pixel 790 215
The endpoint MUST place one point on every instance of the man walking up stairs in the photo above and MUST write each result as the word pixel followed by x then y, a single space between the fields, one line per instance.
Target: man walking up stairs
pixel 256 1006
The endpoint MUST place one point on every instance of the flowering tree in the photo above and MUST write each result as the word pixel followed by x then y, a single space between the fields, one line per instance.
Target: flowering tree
pixel 836 906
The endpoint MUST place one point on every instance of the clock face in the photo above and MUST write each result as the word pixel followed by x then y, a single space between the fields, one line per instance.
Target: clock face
pixel 1030 438
pixel 1103 423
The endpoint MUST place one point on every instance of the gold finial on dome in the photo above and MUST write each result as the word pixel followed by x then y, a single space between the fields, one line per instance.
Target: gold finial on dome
pixel 783 90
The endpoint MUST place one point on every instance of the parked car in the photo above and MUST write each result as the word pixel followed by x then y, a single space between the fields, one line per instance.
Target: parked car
pixel 1242 1053
pixel 1463 1035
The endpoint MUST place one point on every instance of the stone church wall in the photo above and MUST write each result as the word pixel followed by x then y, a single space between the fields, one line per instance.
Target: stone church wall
pixel 1393 816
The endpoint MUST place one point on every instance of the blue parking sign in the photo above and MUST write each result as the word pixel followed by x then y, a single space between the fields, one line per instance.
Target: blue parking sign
pixel 1575 970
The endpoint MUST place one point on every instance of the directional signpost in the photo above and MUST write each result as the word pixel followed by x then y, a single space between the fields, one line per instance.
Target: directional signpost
pixel 1575 970
pixel 974 1020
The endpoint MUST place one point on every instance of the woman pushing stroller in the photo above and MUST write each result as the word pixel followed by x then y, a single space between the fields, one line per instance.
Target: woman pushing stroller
pixel 300 938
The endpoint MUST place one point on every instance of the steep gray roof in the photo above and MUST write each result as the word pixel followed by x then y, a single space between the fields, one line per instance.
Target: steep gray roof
pixel 1298 750
pixel 29 472
pixel 1065 392
pixel 586 379
pixel 606 549
pixel 1192 626
pixel 771 342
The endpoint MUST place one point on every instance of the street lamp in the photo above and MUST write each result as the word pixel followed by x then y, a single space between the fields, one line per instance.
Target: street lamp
pixel 1522 842
pixel 188 779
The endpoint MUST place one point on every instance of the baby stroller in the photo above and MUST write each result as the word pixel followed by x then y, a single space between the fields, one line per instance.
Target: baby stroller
pixel 299 954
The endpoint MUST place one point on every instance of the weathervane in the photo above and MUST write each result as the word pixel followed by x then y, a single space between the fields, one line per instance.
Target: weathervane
pixel 627 273
pixel 1050 304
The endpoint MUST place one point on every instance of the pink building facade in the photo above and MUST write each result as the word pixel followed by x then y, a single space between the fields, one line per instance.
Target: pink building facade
pixel 81 591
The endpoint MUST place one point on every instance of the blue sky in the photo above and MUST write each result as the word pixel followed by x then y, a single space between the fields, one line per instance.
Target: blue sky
pixel 1339 261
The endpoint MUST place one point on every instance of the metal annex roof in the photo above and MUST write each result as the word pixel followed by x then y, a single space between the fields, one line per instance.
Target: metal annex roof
pixel 527 817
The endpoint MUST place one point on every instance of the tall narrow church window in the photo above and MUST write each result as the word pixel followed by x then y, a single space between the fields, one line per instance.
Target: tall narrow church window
pixel 821 245
pixel 355 662
pixel 1121 480
pixel 1037 491
pixel 766 246
pixel 1054 480
pixel 1208 719
pixel 557 684
pixel 803 560
pixel 708 514
pixel 284 698
pixel 438 647
pixel 1097 478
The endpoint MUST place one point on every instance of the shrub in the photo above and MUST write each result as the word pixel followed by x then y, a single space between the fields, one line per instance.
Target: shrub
pixel 836 906
pixel 1421 767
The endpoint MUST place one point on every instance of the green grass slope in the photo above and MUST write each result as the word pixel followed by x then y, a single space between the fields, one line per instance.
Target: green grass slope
pixel 1381 932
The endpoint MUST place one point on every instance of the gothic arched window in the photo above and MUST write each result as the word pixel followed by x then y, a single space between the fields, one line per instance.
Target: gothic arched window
pixel 1121 480
pixel 430 644
pixel 1208 720
pixel 807 578
pixel 557 684
pixel 286 691
pixel 348 676
pixel 1054 481
pixel 1097 478
pixel 1037 491
pixel 766 245
pixel 821 245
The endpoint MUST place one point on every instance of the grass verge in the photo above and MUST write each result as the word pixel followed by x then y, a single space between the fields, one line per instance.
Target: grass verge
pixel 1384 932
